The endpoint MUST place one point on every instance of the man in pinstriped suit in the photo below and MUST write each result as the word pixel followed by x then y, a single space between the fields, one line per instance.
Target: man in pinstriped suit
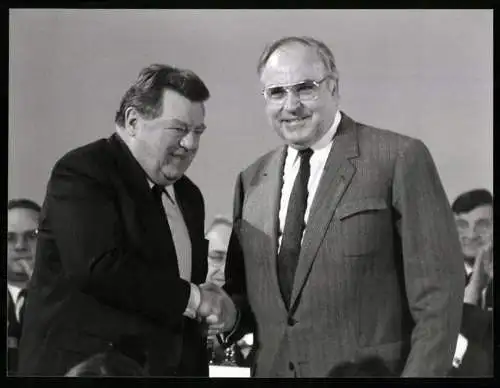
pixel 378 269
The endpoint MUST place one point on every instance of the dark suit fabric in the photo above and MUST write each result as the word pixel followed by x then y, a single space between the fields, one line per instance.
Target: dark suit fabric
pixel 13 335
pixel 477 327
pixel 380 270
pixel 106 272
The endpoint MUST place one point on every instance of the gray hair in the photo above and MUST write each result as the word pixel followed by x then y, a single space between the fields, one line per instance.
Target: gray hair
pixel 322 49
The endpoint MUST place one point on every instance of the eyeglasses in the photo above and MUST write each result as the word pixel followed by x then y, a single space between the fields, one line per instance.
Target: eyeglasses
pixel 307 90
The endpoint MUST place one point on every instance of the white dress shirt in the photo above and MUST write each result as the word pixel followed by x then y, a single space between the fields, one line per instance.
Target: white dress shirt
pixel 317 163
pixel 14 292
pixel 182 244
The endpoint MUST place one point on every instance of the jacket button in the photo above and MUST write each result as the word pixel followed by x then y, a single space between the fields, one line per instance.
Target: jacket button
pixel 291 321
pixel 291 366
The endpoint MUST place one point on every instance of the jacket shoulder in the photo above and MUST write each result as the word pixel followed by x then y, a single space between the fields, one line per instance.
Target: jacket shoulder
pixel 90 159
pixel 259 164
pixel 368 133
pixel 87 151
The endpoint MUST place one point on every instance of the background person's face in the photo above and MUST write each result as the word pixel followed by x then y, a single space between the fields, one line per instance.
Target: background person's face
pixel 165 146
pixel 22 225
pixel 299 123
pixel 218 241
pixel 475 229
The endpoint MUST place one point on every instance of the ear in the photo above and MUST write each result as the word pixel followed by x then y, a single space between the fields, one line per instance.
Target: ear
pixel 131 121
pixel 332 85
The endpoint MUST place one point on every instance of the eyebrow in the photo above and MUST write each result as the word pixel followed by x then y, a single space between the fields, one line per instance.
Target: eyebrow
pixel 289 84
pixel 24 232
pixel 183 124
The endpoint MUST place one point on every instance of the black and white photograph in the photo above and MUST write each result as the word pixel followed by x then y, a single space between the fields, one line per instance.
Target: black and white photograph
pixel 250 193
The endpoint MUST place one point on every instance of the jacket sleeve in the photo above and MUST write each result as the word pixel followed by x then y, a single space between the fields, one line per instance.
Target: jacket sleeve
pixel 82 215
pixel 432 261
pixel 235 284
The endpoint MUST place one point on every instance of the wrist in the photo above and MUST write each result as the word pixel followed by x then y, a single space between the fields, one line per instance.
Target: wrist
pixel 195 299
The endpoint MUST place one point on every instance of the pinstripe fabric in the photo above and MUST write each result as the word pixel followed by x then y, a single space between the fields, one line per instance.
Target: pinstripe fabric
pixel 380 270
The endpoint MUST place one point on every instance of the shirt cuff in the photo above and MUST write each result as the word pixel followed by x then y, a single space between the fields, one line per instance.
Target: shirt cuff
pixel 194 302
pixel 460 350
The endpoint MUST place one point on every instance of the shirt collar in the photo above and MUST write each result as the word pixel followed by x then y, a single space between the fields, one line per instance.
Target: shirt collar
pixel 14 291
pixel 324 141
pixel 169 189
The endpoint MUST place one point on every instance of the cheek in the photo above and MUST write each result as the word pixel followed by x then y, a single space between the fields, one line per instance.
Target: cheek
pixel 272 112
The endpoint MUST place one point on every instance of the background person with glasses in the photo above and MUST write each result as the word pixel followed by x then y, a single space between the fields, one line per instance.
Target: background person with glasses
pixel 22 231
pixel 343 244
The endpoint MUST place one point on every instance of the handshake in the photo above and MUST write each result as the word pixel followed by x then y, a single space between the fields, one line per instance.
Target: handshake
pixel 217 311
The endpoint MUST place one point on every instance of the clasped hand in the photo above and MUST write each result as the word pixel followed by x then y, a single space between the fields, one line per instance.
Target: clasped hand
pixel 482 273
pixel 216 309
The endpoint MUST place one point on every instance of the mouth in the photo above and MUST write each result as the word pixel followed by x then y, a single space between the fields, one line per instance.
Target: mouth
pixel 295 120
pixel 22 258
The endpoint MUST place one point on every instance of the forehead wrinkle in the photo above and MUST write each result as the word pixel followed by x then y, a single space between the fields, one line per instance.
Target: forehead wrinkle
pixel 287 66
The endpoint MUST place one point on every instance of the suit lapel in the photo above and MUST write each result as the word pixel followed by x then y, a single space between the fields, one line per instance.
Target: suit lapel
pixel 261 211
pixel 155 237
pixel 335 179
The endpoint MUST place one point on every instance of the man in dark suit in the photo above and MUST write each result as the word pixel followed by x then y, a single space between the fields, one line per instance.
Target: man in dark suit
pixel 121 246
pixel 22 228
pixel 344 244
pixel 473 211
pixel 476 330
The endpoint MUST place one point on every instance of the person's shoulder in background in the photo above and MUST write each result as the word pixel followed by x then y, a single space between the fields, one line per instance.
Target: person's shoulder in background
pixel 111 363
pixel 370 366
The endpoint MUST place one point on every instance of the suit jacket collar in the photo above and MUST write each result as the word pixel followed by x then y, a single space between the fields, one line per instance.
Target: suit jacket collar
pixel 136 181
pixel 337 175
pixel 263 201
pixel 133 174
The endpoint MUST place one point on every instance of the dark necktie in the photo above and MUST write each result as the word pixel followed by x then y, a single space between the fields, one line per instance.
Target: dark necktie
pixel 21 302
pixel 157 192
pixel 288 256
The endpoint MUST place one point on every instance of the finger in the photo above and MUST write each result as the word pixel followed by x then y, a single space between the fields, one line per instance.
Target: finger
pixel 212 319
pixel 26 266
pixel 214 331
pixel 216 326
pixel 210 287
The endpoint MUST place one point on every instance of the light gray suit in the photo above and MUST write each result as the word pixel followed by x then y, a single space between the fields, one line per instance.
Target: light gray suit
pixel 380 270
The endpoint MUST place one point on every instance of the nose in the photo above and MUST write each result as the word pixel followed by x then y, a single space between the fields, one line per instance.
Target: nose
pixel 190 142
pixel 21 243
pixel 469 233
pixel 292 101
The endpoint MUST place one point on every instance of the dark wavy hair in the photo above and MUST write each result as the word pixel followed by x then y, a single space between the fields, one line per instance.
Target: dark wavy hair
pixel 146 93
pixel 469 200
pixel 109 363
pixel 23 203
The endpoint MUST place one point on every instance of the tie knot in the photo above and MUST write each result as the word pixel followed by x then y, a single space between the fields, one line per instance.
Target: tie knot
pixel 157 190
pixel 305 154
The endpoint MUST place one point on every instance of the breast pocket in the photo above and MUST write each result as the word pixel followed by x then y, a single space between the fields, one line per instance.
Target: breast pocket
pixel 364 226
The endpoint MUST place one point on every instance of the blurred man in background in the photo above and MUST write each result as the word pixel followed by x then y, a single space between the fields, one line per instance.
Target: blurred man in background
pixel 218 236
pixel 473 212
pixel 474 219
pixel 218 239
pixel 22 229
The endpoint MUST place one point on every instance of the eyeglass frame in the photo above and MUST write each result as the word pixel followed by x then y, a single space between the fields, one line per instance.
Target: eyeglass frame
pixel 288 89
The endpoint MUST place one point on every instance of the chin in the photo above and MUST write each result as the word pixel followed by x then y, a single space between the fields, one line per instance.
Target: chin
pixel 303 137
pixel 470 252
